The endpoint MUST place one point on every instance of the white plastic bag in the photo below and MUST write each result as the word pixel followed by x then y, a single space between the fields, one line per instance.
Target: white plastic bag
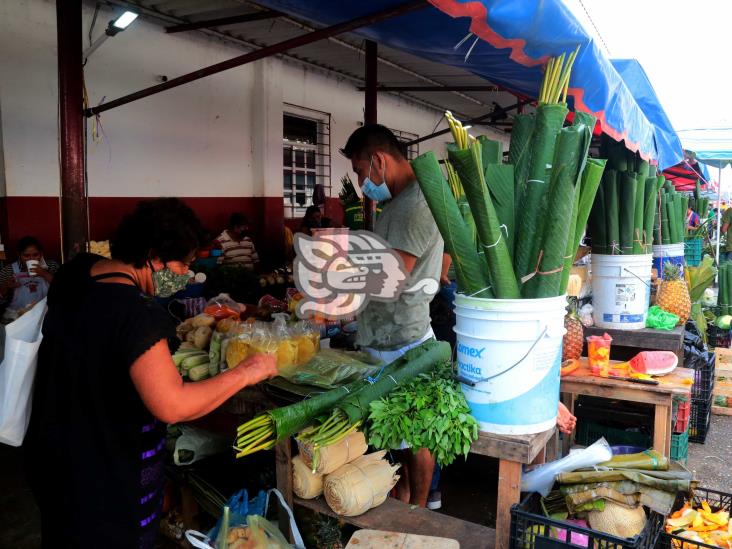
pixel 17 372
pixel 542 478
pixel 202 541
pixel 194 444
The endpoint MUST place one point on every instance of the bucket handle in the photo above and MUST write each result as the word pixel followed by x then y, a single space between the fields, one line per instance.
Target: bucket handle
pixel 635 275
pixel 474 383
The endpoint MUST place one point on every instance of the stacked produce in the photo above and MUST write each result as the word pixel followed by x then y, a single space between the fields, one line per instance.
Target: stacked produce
pixel 344 407
pixel 624 216
pixel 218 340
pixel 513 229
pixel 361 485
pixel 673 216
pixel 724 299
pixel 699 524
pixel 700 205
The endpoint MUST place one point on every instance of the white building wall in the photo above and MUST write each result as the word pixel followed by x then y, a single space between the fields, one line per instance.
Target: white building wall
pixel 203 139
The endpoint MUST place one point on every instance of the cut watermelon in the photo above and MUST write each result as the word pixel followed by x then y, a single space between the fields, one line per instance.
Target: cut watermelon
pixel 655 363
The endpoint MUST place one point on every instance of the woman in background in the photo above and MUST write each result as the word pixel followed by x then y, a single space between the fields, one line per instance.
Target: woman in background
pixel 25 282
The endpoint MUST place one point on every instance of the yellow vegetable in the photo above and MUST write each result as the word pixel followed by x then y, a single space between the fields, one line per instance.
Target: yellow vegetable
pixel 705 507
pixel 237 351
pixel 305 349
pixel 682 521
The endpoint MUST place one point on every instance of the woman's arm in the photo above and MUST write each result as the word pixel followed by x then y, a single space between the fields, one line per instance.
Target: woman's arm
pixel 171 400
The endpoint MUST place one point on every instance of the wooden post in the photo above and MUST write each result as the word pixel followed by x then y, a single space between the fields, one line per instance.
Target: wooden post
pixel 370 117
pixel 74 225
pixel 283 471
pixel 509 493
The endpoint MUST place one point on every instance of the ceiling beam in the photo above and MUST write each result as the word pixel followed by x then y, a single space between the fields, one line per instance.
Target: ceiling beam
pixel 261 53
pixel 223 21
pixel 484 88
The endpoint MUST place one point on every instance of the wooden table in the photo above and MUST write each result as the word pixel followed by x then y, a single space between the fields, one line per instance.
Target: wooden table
pixel 582 382
pixel 642 340
pixel 512 452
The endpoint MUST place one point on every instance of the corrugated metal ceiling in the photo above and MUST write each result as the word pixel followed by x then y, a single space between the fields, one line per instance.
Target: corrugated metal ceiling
pixel 342 54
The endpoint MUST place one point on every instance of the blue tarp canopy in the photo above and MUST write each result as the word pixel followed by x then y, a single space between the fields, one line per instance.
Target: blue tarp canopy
pixel 668 144
pixel 712 146
pixel 517 40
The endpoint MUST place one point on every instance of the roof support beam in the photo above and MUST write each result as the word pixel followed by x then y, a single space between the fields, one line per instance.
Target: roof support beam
pixel 267 51
pixel 223 21
pixel 436 88
pixel 497 113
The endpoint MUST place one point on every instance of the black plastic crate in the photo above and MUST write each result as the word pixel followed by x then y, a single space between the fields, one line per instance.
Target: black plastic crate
pixel 703 379
pixel 716 500
pixel 530 529
pixel 700 420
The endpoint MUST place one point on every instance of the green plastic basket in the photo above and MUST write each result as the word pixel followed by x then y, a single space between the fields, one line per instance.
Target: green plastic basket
pixel 693 251
pixel 680 447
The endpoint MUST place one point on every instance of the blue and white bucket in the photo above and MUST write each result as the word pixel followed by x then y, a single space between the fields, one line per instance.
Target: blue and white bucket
pixel 673 253
pixel 511 350
pixel 621 290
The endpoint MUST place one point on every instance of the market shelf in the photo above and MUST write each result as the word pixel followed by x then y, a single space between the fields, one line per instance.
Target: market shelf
pixel 395 516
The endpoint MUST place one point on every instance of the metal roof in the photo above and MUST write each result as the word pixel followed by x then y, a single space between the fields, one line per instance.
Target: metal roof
pixel 342 55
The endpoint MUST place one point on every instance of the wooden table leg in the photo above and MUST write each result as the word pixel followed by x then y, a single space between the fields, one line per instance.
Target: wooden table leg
pixel 568 400
pixel 662 430
pixel 283 471
pixel 509 493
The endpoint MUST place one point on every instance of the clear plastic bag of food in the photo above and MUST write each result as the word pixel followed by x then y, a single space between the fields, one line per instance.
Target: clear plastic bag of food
pixel 307 339
pixel 331 368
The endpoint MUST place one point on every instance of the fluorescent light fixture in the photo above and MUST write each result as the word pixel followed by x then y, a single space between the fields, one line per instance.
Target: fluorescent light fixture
pixel 124 20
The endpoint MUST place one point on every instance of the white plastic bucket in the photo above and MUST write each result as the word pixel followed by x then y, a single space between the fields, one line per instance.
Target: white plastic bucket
pixel 511 349
pixel 673 253
pixel 621 290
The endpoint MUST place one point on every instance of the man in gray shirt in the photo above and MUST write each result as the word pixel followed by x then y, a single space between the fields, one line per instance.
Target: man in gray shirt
pixel 388 330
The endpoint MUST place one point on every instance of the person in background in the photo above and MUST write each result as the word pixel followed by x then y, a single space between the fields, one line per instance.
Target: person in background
pixel 388 330
pixel 236 245
pixel 312 220
pixel 25 282
pixel 106 385
pixel 692 219
pixel 726 222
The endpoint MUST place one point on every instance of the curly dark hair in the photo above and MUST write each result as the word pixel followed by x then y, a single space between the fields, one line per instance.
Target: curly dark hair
pixel 164 228
pixel 27 242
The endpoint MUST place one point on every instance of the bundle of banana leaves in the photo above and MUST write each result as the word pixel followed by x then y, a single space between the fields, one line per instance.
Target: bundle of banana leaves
pixel 513 229
pixel 339 411
pixel 625 216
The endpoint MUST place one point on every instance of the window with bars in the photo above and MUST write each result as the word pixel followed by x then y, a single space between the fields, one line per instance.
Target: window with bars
pixel 306 157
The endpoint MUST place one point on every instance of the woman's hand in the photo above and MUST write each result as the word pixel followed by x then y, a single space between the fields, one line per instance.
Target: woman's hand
pixel 258 368
pixel 43 273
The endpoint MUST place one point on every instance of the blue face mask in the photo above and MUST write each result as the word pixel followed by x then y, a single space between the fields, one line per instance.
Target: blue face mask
pixel 377 193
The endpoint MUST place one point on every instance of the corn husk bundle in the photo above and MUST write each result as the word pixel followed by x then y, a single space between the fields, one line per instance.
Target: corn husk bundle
pixel 528 215
pixel 305 483
pixel 360 485
pixel 327 459
pixel 265 430
pixel 618 520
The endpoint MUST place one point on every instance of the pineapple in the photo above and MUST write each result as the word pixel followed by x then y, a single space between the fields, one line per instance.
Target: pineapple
pixel 328 534
pixel 673 294
pixel 574 338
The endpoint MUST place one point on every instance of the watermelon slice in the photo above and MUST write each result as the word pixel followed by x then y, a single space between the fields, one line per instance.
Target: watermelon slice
pixel 655 363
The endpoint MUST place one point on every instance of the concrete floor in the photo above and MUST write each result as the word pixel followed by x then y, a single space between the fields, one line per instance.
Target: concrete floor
pixel 468 490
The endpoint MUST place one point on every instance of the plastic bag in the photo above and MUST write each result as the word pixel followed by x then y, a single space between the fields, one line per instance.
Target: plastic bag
pixel 17 372
pixel 658 319
pixel 240 506
pixel 331 368
pixel 542 478
pixel 222 306
pixel 585 314
pixel 650 460
pixel 261 533
pixel 195 444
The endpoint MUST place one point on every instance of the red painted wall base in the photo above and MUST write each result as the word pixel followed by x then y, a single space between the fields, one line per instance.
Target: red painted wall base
pixel 39 216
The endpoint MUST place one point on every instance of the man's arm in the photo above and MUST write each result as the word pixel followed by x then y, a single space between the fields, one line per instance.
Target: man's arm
pixel 409 260
pixel 446 262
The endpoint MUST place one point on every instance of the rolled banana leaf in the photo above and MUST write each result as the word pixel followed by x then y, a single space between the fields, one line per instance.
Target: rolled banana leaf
pixel 570 154
pixel 628 187
pixel 549 120
pixel 597 224
pixel 638 219
pixel 589 183
pixel 499 178
pixel 650 212
pixel 612 217
pixel 665 234
pixel 470 271
pixel 519 154
pixel 491 151
pixel 469 166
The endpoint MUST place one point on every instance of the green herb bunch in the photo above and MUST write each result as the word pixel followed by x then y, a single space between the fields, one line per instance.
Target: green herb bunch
pixel 429 412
